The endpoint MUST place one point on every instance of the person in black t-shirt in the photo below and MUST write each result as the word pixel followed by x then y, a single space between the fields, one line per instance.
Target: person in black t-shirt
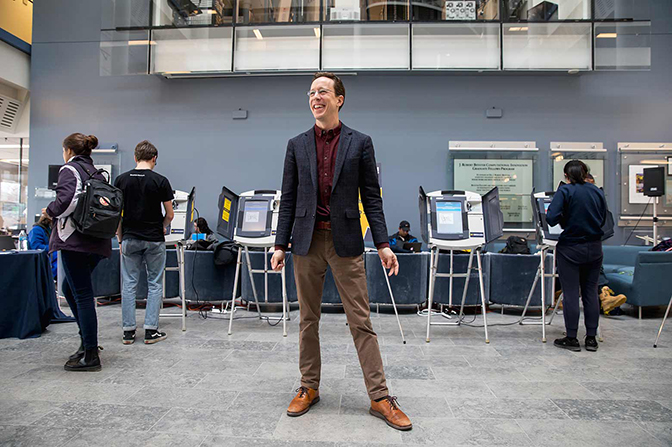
pixel 141 234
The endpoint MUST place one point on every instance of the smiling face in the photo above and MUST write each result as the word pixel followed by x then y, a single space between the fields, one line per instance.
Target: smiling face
pixel 324 104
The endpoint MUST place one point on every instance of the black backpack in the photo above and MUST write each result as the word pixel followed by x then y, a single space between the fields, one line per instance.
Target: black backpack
pixel 225 253
pixel 516 245
pixel 98 210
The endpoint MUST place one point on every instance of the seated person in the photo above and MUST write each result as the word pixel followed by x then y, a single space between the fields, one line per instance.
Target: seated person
pixel 398 239
pixel 38 239
pixel 201 232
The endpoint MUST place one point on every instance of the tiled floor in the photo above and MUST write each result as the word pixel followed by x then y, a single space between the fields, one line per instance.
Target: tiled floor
pixel 204 388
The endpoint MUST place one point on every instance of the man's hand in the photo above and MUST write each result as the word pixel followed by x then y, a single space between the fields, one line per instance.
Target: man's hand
pixel 389 260
pixel 278 260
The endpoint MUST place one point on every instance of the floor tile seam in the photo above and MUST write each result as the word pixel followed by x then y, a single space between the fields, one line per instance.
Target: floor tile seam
pixel 228 407
pixel 134 394
pixel 449 407
pixel 66 442
pixel 527 435
pixel 193 387
pixel 563 411
pixel 527 379
pixel 277 424
pixel 490 389
pixel 587 390
pixel 431 370
pixel 160 419
pixel 638 423
pixel 34 423
pixel 258 368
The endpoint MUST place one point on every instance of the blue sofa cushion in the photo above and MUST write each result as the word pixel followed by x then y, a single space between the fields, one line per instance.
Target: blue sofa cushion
pixel 622 254
pixel 625 271
pixel 611 268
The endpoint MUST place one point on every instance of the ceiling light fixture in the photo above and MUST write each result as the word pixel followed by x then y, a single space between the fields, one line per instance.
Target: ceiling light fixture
pixel 140 42
pixel 257 33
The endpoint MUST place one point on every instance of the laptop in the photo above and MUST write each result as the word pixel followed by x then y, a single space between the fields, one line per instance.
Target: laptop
pixel 7 243
pixel 415 247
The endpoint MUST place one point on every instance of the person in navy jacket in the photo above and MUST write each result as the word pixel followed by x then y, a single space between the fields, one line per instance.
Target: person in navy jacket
pixel 38 239
pixel 581 209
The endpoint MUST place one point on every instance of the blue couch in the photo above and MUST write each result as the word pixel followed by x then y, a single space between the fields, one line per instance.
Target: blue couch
pixel 641 275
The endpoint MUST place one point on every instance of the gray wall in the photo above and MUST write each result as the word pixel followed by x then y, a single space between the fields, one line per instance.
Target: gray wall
pixel 411 118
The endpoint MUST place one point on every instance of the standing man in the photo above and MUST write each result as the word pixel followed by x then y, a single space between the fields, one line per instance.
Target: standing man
pixel 141 234
pixel 401 237
pixel 326 169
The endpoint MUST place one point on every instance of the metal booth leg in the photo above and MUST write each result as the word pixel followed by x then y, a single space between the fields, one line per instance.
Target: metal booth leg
pixel 433 262
pixel 483 306
pixel 529 295
pixel 466 285
pixel 183 289
pixel 542 275
pixel 239 263
pixel 662 323
pixel 254 288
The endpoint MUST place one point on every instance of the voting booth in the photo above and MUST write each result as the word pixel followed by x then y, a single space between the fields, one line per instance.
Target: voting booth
pixel 456 221
pixel 251 221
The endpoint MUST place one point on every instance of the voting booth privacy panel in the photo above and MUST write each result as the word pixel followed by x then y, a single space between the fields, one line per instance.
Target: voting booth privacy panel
pixel 251 220
pixel 184 207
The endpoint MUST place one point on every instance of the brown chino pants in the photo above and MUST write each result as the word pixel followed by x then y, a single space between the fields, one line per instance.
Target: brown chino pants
pixel 350 278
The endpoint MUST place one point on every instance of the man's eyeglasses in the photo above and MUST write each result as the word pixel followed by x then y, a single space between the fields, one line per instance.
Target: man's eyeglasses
pixel 321 92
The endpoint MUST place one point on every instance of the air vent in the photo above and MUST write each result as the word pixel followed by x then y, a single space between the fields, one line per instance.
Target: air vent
pixel 10 113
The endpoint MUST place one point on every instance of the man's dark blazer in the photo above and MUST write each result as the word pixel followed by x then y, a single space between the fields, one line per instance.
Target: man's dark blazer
pixel 355 172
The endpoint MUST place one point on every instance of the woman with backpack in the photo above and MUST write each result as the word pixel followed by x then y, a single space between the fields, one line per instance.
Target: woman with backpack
pixel 581 209
pixel 80 253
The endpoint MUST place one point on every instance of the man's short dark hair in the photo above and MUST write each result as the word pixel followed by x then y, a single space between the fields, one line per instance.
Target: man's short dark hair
pixel 145 151
pixel 339 88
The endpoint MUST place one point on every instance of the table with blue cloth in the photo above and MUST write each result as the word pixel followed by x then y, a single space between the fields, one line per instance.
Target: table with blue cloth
pixel 27 294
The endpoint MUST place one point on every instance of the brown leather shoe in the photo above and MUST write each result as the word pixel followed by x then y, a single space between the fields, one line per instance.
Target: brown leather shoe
pixel 388 410
pixel 305 399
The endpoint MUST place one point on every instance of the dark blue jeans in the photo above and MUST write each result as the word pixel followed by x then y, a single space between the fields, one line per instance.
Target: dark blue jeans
pixel 579 271
pixel 78 291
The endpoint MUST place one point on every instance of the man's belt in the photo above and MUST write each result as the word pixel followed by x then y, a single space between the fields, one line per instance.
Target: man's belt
pixel 322 225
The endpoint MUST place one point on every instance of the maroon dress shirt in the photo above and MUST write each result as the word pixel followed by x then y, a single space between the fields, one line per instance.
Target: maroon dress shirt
pixel 326 144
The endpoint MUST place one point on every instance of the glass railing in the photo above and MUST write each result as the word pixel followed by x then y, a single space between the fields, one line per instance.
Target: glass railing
pixel 227 36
